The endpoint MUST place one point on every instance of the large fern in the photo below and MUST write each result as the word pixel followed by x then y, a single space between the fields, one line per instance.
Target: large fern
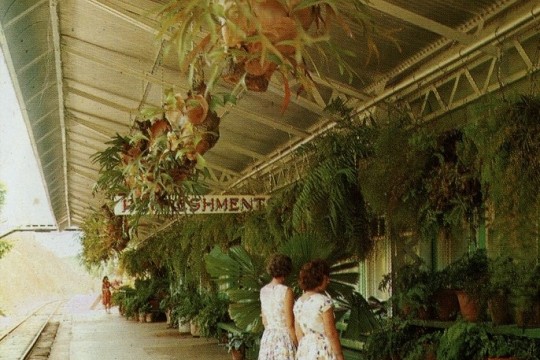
pixel 330 200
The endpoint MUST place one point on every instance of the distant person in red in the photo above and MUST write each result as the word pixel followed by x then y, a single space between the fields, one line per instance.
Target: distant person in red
pixel 106 294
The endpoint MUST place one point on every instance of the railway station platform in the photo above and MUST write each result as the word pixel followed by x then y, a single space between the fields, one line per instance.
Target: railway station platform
pixel 87 332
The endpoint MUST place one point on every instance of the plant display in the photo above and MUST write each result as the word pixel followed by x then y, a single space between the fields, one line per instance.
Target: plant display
pixel 470 278
pixel 245 42
pixel 507 136
pixel 390 342
pixel 104 236
pixel 425 347
pixel 330 200
pixel 239 342
pixel 423 179
pixel 190 303
pixel 525 294
pixel 463 340
pixel 502 278
pixel 157 165
pixel 509 347
pixel 470 272
pixel 215 310
pixel 411 287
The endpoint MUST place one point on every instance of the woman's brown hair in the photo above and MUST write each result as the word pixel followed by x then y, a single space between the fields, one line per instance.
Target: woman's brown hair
pixel 279 265
pixel 312 274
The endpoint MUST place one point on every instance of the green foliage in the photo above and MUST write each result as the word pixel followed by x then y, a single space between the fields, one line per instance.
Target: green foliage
pixel 4 247
pixel 95 248
pixel 392 341
pixel 243 274
pixel 392 173
pixel 215 310
pixel 240 340
pixel 190 304
pixel 329 201
pixel 424 345
pixel 233 34
pixel 525 291
pixel 503 273
pixel 507 136
pixel 411 286
pixel 471 273
pixel 508 346
pixel 423 179
pixel 463 340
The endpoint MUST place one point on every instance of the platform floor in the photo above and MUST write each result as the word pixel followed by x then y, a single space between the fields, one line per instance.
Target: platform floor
pixel 87 332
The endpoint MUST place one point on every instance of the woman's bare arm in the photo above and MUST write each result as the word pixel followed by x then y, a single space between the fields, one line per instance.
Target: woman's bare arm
pixel 264 320
pixel 332 333
pixel 289 315
pixel 298 331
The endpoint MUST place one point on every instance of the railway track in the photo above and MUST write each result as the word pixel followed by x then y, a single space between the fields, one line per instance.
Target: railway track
pixel 17 342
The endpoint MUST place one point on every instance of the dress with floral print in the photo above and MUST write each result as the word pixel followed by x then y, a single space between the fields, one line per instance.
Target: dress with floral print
pixel 308 312
pixel 276 343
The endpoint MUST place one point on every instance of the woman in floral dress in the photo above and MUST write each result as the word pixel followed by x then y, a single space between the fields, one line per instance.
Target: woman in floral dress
pixel 314 316
pixel 279 339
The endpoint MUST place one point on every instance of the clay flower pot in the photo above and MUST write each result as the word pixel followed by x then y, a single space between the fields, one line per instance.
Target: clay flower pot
pixel 196 109
pixel 158 128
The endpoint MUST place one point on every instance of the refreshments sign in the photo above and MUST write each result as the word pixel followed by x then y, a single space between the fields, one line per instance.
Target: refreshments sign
pixel 209 204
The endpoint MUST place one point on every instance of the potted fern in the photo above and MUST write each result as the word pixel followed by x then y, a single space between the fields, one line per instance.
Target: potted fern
pixel 502 278
pixel 463 340
pixel 412 290
pixel 525 295
pixel 238 343
pixel 470 279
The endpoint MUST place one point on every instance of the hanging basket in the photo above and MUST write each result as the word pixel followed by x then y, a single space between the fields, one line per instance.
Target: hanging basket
pixel 195 107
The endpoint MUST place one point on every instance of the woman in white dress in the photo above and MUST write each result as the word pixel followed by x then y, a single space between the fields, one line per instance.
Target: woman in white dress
pixel 315 326
pixel 279 339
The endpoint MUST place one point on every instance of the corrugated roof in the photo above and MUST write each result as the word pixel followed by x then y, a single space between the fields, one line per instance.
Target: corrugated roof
pixel 83 68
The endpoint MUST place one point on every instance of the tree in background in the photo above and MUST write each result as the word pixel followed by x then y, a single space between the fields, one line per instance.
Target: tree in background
pixel 4 246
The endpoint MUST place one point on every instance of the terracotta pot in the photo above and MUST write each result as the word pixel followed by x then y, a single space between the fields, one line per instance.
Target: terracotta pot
pixel 258 83
pixel 234 72
pixel 502 358
pixel 196 109
pixel 238 354
pixel 430 352
pixel 529 317
pixel 446 304
pixel 499 310
pixel 159 127
pixel 469 307
pixel 254 66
